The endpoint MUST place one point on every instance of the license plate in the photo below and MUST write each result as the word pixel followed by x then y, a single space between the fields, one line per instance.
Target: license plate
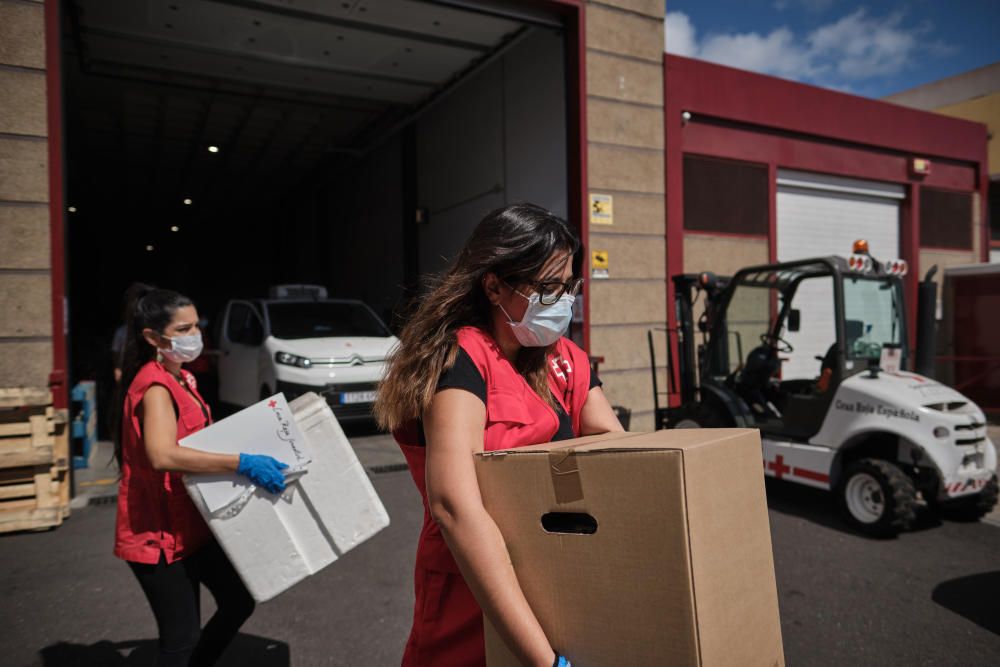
pixel 357 397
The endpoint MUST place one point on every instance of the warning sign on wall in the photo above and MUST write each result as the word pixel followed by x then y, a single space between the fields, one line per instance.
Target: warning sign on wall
pixel 601 209
pixel 599 265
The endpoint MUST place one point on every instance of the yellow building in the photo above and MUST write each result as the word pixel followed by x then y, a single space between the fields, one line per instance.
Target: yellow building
pixel 972 96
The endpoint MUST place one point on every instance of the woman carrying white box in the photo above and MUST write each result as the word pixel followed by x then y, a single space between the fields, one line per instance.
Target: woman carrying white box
pixel 158 530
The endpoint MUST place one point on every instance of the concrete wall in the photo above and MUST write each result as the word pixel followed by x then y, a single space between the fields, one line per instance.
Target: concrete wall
pixel 944 258
pixel 25 282
pixel 498 139
pixel 624 64
pixel 724 256
pixel 460 169
pixel 985 110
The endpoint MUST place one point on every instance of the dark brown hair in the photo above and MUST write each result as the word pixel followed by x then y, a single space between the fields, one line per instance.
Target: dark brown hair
pixel 514 243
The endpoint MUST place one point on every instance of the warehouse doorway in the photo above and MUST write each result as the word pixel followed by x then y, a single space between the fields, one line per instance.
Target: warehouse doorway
pixel 219 147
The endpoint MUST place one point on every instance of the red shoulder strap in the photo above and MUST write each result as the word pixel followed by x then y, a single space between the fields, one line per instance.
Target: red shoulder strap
pixel 479 346
pixel 576 361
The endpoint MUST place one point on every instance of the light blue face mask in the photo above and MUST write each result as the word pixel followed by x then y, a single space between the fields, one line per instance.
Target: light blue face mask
pixel 542 325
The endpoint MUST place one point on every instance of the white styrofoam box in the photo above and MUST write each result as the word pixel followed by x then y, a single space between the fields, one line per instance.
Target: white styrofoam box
pixel 276 541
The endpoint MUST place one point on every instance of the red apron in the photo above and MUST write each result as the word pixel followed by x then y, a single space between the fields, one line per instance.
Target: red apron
pixel 154 511
pixel 447 621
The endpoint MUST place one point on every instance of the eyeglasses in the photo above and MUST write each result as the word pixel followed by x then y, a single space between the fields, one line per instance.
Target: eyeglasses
pixel 550 291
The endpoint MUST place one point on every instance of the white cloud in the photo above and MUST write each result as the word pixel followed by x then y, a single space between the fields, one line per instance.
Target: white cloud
pixel 862 47
pixel 776 53
pixel 839 54
pixel 678 34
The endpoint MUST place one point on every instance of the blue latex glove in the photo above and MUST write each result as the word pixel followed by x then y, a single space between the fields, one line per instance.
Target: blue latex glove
pixel 561 661
pixel 263 471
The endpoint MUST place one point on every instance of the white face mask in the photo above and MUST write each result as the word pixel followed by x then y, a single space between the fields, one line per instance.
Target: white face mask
pixel 542 325
pixel 183 349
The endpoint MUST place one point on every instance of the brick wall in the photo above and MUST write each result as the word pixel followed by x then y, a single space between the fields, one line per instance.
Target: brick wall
pixel 25 283
pixel 625 159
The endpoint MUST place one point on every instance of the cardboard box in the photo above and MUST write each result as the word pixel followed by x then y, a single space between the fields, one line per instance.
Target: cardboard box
pixel 665 555
pixel 276 541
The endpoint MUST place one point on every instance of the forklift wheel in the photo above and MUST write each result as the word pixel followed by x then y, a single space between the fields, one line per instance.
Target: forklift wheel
pixel 877 498
pixel 700 415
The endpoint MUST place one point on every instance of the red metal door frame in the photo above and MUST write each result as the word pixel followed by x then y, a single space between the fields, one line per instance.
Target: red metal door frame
pixel 58 378
pixel 673 206
pixel 573 13
pixel 577 63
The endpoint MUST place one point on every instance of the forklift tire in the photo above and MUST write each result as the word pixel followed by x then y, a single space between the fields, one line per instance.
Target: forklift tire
pixel 877 498
pixel 976 507
pixel 701 415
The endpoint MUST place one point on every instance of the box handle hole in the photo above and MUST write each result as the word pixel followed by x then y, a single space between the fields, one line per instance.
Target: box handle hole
pixel 572 523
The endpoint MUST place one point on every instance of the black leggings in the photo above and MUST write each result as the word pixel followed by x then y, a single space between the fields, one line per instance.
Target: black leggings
pixel 174 594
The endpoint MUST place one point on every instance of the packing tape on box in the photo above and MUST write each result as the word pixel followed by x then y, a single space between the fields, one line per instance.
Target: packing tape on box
pixel 234 508
pixel 565 473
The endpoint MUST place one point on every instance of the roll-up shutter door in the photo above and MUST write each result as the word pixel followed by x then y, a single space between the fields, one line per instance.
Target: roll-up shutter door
pixel 820 215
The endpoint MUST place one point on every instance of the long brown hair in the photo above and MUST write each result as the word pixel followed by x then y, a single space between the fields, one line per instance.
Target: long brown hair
pixel 146 307
pixel 512 242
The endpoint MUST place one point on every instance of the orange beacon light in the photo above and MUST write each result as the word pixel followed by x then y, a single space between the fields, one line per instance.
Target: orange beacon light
pixel 861 247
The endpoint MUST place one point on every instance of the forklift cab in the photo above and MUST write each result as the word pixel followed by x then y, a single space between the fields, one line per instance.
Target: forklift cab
pixel 777 340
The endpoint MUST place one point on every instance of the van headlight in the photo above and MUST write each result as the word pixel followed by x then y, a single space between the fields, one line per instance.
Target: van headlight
pixel 289 359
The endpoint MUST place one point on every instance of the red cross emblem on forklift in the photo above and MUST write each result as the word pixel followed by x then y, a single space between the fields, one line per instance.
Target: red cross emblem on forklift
pixel 778 467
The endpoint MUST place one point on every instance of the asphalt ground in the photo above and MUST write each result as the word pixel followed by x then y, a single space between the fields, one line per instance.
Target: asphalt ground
pixel 928 597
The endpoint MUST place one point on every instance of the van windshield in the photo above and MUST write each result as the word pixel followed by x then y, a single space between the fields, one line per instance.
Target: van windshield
pixel 324 319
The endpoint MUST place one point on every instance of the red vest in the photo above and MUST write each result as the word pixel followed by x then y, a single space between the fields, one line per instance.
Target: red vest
pixel 154 510
pixel 447 621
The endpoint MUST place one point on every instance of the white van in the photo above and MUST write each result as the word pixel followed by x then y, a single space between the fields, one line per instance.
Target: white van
pixel 297 341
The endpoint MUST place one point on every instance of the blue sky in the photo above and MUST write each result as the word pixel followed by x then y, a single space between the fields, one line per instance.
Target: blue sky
pixel 873 48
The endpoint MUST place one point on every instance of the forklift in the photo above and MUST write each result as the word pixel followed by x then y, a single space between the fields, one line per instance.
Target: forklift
pixel 841 413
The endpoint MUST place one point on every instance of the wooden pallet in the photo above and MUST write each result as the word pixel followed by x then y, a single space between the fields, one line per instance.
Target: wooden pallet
pixel 34 461
pixel 18 397
pixel 61 461
pixel 33 497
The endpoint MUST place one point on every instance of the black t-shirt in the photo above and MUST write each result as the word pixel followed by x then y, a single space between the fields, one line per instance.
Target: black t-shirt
pixel 465 375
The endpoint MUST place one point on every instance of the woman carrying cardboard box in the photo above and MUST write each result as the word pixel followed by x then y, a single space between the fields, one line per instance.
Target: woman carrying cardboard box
pixel 482 365
pixel 158 531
